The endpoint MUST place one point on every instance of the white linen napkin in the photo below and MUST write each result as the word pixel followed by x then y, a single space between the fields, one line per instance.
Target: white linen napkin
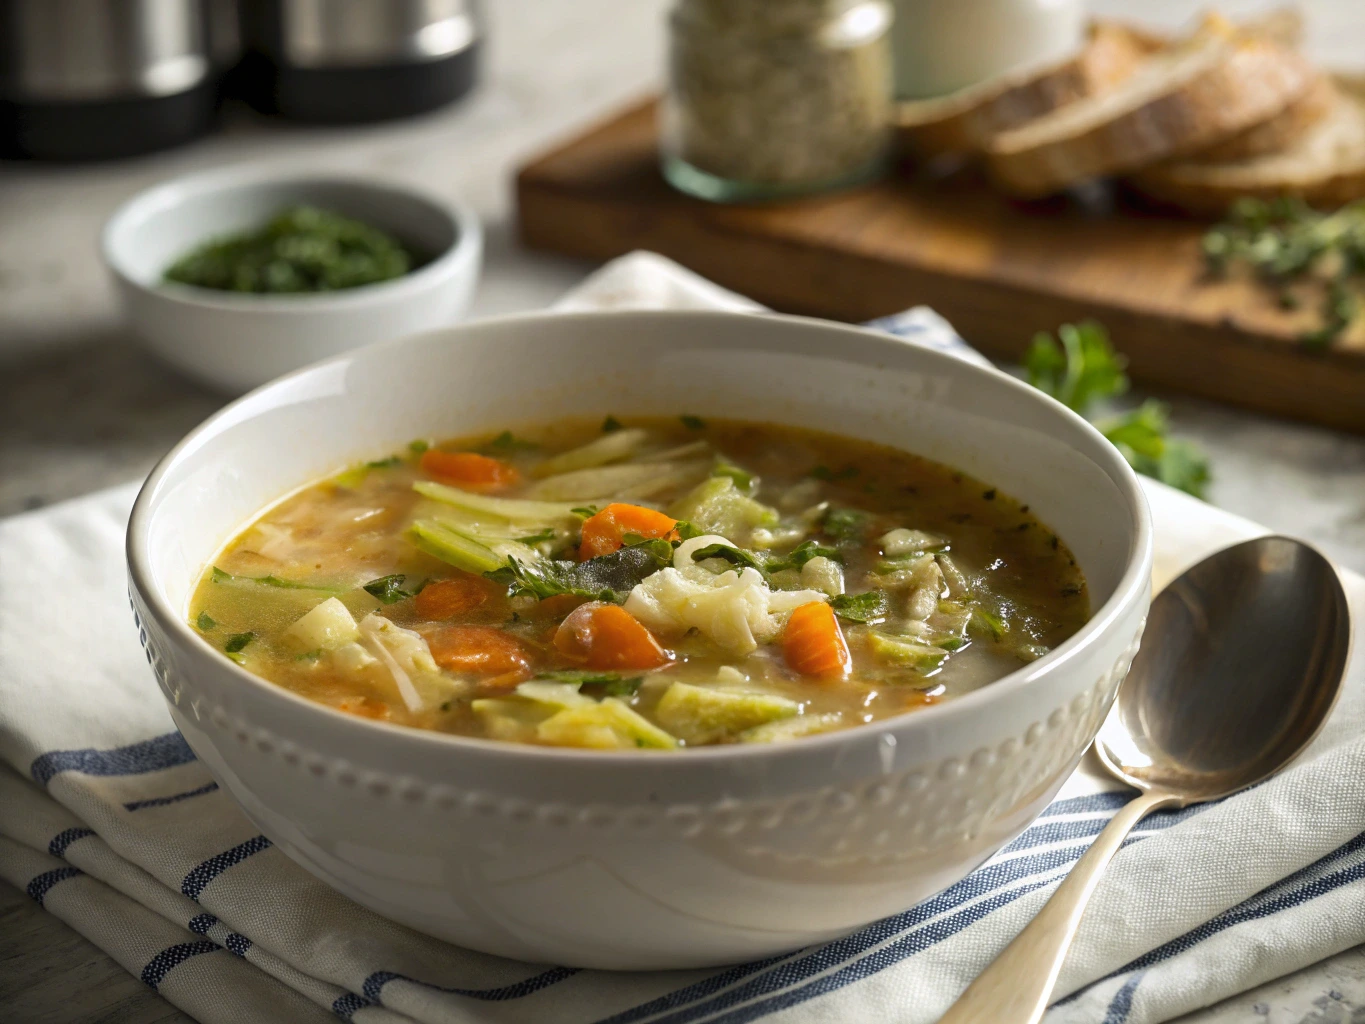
pixel 108 821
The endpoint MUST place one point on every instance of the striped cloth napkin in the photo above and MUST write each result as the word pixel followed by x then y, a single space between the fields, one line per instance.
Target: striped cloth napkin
pixel 109 822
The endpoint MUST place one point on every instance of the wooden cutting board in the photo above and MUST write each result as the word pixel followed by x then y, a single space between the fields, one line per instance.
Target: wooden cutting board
pixel 998 269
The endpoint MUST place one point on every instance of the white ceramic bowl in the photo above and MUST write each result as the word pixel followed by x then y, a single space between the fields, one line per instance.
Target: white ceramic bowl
pixel 641 860
pixel 237 341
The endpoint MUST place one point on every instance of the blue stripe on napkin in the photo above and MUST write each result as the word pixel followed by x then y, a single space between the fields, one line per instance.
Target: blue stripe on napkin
pixel 375 983
pixel 196 881
pixel 64 839
pixel 160 965
pixel 1122 1004
pixel 345 1006
pixel 162 801
pixel 137 759
pixel 38 886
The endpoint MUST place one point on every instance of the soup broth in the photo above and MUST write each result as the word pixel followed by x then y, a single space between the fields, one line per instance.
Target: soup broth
pixel 647 583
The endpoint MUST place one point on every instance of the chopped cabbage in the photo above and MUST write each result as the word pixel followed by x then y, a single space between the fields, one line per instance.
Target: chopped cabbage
pixel 899 543
pixel 405 654
pixel 823 574
pixel 736 610
pixel 327 626
pixel 716 505
pixel 697 714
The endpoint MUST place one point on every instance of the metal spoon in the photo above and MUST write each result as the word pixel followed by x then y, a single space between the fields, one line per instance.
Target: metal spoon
pixel 1241 662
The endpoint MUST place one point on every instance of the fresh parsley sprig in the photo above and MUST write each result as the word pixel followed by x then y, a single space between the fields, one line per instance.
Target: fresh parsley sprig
pixel 1084 368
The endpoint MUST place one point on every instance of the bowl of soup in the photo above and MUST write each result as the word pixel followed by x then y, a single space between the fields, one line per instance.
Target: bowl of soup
pixel 641 640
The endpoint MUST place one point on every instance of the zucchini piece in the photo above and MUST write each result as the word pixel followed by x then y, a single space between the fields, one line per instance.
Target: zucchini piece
pixel 510 719
pixel 786 729
pixel 698 714
pixel 921 657
pixel 610 725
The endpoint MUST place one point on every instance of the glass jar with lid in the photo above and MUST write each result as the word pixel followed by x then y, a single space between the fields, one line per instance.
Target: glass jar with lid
pixel 772 98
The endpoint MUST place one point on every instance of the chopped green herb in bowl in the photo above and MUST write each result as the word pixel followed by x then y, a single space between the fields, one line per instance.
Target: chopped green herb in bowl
pixel 301 249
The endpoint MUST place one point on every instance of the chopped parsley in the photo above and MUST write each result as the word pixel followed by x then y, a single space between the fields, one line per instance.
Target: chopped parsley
pixel 536 538
pixel 693 422
pixel 309 655
pixel 825 473
pixel 509 442
pixel 846 525
pixel 217 575
pixel 870 607
pixel 419 446
pixel 391 462
pixel 610 684
pixel 586 511
pixel 611 425
pixel 605 578
pixel 205 622
pixel 236 644
pixel 388 589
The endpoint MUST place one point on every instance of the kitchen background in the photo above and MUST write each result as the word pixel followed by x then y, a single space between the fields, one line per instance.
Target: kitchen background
pixel 82 407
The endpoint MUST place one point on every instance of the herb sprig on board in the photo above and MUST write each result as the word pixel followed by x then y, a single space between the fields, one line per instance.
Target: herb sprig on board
pixel 1284 242
pixel 1083 368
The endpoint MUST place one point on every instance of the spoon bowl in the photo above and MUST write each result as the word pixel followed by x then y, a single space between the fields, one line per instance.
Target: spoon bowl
pixel 1240 665
pixel 1245 654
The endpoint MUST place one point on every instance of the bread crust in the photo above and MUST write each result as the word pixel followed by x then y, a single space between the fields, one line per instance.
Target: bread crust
pixel 1325 168
pixel 1250 81
pixel 968 119
pixel 1279 132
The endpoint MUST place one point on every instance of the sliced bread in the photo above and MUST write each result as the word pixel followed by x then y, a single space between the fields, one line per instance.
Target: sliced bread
pixel 967 119
pixel 1218 84
pixel 1279 132
pixel 1325 167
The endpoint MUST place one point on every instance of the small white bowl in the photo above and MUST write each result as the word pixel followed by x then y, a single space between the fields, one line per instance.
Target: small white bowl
pixel 642 860
pixel 235 341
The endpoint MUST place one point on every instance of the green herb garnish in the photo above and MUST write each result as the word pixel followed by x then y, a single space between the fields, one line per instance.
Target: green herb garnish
pixel 870 606
pixel 309 655
pixel 388 589
pixel 611 684
pixel 585 511
pixel 509 442
pixel 611 425
pixel 390 463
pixel 846 525
pixel 605 578
pixel 536 538
pixel 1285 240
pixel 1141 436
pixel 236 644
pixel 301 249
pixel 419 446
pixel 217 575
pixel 693 422
pixel 1084 369
pixel 205 622
pixel 827 474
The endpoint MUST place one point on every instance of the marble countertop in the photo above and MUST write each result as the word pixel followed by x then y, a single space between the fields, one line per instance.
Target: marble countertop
pixel 82 407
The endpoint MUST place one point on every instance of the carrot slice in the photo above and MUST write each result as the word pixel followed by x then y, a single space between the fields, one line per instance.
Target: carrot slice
pixel 604 532
pixel 606 636
pixel 481 651
pixel 470 470
pixel 814 645
pixel 445 599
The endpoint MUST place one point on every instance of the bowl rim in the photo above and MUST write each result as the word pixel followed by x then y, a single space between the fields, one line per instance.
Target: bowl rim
pixel 464 223
pixel 1135 579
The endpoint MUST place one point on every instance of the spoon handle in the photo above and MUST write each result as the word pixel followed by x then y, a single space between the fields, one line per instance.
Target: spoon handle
pixel 1016 987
